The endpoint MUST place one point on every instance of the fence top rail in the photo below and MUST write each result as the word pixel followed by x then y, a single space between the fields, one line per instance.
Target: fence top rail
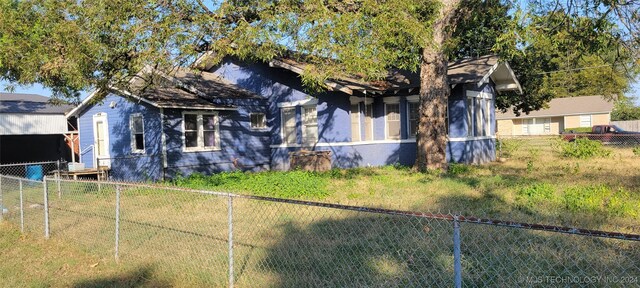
pixel 427 215
pixel 20 178
pixel 28 163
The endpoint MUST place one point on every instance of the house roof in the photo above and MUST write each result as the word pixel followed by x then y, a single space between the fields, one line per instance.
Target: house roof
pixel 30 104
pixel 476 70
pixel 566 106
pixel 183 89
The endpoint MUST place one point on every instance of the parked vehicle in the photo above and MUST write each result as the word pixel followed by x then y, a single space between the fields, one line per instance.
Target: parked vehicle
pixel 607 134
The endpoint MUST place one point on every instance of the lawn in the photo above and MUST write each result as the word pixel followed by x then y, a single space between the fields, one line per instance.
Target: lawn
pixel 178 238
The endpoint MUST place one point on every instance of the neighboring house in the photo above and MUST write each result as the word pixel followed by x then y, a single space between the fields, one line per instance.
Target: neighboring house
pixel 562 114
pixel 251 116
pixel 34 130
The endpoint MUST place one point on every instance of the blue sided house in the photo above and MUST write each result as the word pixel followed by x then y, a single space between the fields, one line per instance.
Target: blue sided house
pixel 252 116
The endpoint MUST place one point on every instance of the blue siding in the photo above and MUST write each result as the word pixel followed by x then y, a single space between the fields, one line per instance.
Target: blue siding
pixel 248 148
pixel 124 164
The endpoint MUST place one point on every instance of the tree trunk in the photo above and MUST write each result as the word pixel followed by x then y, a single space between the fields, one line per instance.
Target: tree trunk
pixel 434 95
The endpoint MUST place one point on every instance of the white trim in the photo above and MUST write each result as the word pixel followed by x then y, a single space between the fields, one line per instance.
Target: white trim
pixel 96 151
pixel 513 75
pixel 486 77
pixel 474 138
pixel 355 99
pixel 391 100
pixel 374 142
pixel 305 102
pixel 165 162
pixel 133 140
pixel 413 98
pixel 479 94
pixel 200 129
pixel 84 102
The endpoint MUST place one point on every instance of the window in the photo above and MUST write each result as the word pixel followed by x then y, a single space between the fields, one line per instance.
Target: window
pixel 392 111
pixel 585 120
pixel 547 125
pixel 355 122
pixel 527 124
pixel 258 121
pixel 289 125
pixel 201 131
pixel 309 124
pixel 136 126
pixel 478 114
pixel 413 108
pixel 368 122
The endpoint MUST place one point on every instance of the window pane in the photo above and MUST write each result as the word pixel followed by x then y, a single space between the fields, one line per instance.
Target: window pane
pixel 469 118
pixel 368 122
pixel 191 139
pixel 289 125
pixel 413 118
pixel 139 141
pixel 209 122
pixel 258 120
pixel 478 113
pixel 136 122
pixel 355 122
pixel 190 122
pixel 310 116
pixel 209 138
pixel 393 121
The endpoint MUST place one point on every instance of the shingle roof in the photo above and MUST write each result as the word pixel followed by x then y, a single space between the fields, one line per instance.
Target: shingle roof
pixel 459 72
pixel 30 104
pixel 566 106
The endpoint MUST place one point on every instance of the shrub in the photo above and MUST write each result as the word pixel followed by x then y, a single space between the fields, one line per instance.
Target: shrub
pixel 577 130
pixel 636 150
pixel 583 148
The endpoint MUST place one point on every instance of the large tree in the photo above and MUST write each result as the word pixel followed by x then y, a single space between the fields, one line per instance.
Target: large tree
pixel 72 45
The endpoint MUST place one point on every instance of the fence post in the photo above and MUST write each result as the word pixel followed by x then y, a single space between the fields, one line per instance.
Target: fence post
pixel 117 221
pixel 457 263
pixel 46 208
pixel 21 208
pixel 1 201
pixel 58 166
pixel 230 221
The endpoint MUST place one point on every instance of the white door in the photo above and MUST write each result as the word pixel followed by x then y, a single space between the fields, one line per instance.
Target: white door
pixel 101 140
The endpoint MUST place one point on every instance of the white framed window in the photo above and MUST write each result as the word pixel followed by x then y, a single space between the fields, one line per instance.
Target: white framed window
pixel 309 124
pixel 258 121
pixel 355 122
pixel 413 117
pixel 392 120
pixel 136 126
pixel 478 114
pixel 288 115
pixel 200 131
pixel 585 120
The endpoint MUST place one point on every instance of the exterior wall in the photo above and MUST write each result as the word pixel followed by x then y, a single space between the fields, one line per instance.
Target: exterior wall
pixel 32 124
pixel 125 165
pixel 241 148
pixel 573 121
pixel 557 125
pixel 506 127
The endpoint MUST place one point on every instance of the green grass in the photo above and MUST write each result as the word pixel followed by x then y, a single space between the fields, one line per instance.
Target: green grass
pixel 177 238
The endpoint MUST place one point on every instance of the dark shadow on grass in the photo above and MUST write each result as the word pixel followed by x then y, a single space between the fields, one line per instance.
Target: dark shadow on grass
pixel 371 250
pixel 140 277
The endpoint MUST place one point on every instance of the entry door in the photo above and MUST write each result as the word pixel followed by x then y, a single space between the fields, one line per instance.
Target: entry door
pixel 101 140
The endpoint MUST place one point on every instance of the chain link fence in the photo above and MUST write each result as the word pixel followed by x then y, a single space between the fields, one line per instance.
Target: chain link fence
pixel 206 238
pixel 32 170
